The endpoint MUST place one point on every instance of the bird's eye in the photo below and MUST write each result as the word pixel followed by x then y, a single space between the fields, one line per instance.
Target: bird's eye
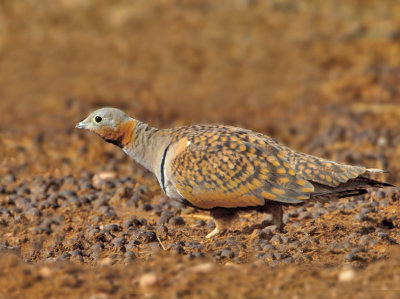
pixel 98 119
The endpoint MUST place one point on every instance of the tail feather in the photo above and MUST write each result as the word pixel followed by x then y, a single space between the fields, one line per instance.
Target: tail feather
pixel 352 187
pixel 376 170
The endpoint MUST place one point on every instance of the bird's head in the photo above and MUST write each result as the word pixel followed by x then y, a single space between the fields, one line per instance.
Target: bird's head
pixel 111 124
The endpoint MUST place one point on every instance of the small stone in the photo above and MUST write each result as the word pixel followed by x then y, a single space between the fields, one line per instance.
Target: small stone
pixel 106 261
pixel 288 260
pixel 101 178
pixel 147 236
pixel 383 234
pixel 148 280
pixel 176 220
pixel 202 268
pixel 45 272
pixel 271 229
pixel 346 275
pixel 97 247
pixel 305 215
pixel 162 232
pixel 132 244
pixel 296 224
pixel 118 242
pixel 361 217
pixel 146 207
pixel 130 255
pixel 200 223
pixel 285 219
pixel 33 213
pixel 351 256
pixel 179 249
pixel 194 255
pixel 366 210
pixel 267 247
pixel 263 235
pixel 267 221
pixel 335 248
pixel 165 216
pixel 276 240
pixel 379 194
pixel 260 255
pixel 112 227
pixel 364 240
pixel 383 203
pixel 227 253
pixel 76 252
pixel 301 209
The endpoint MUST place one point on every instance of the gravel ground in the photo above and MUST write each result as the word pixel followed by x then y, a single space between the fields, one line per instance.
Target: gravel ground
pixel 79 219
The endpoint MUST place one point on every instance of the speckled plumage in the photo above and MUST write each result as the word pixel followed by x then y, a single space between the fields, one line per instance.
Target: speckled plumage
pixel 223 168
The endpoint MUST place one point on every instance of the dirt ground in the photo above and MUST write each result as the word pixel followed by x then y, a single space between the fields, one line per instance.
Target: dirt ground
pixel 79 219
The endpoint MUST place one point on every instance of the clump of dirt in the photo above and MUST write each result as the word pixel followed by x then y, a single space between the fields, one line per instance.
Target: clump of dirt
pixel 78 218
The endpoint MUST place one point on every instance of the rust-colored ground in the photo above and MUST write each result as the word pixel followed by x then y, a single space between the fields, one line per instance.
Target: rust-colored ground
pixel 319 76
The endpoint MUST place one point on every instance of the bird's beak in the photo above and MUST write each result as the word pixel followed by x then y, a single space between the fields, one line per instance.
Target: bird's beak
pixel 81 125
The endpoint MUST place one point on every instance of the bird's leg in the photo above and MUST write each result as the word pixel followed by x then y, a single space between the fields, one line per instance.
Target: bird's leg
pixel 222 218
pixel 275 209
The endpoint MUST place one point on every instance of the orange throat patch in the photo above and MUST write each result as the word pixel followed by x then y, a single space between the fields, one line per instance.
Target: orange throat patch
pixel 120 136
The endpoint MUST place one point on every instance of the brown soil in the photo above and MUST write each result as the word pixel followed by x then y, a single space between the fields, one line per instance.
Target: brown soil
pixel 79 219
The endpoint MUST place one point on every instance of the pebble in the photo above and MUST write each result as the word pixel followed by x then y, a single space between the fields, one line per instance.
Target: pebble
pixel 364 240
pixel 202 268
pixel 146 207
pixel 227 253
pixel 45 272
pixel 263 235
pixel 267 221
pixel 76 252
pixel 305 215
pixel 132 243
pixel 379 194
pixel 361 217
pixel 351 256
pixel 118 242
pixel 383 234
pixel 101 178
pixel 176 220
pixel 165 216
pixel 271 229
pixel 276 240
pixel 146 236
pixel 346 275
pixel 148 280
pixel 130 255
pixel 335 248
pixel 106 261
pixel 178 249
pixel 112 227
pixel 194 255
pixel 162 232
pixel 33 213
pixel 288 260
pixel 200 223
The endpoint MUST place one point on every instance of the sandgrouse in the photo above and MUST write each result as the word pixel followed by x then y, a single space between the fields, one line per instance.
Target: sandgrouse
pixel 225 169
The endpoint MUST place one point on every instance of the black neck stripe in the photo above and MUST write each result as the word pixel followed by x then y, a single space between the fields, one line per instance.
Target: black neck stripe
pixel 162 169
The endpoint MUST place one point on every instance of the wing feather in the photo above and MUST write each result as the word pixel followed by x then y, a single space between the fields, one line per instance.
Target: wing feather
pixel 234 171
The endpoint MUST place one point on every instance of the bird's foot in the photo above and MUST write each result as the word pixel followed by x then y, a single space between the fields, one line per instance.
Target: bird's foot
pixel 216 231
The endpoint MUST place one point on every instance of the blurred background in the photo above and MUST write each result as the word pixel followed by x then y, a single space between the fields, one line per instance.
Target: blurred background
pixel 321 76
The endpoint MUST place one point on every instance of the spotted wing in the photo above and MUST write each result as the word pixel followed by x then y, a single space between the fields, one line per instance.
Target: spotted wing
pixel 229 171
pixel 320 170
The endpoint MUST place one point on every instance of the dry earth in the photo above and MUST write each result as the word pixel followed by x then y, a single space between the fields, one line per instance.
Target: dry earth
pixel 79 219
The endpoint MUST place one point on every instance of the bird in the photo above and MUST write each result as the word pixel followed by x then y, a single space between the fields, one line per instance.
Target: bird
pixel 226 169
